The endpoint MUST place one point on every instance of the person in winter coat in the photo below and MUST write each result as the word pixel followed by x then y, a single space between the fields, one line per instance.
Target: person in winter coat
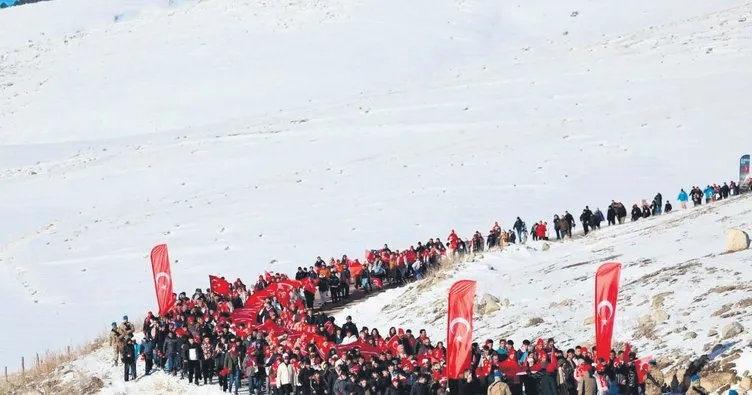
pixel 708 192
pixel 192 357
pixel 588 385
pixel 597 219
pixel 342 385
pixel 557 226
pixel 285 376
pixel 683 198
pixel 170 350
pixel 585 219
pixel 654 380
pixel 147 351
pixel 658 199
pixel 498 387
pixel 667 209
pixel 207 361
pixel 566 227
pixel 611 215
pixel 519 227
pixel 420 387
pixel 116 342
pixel 394 388
pixel 233 366
pixel 129 359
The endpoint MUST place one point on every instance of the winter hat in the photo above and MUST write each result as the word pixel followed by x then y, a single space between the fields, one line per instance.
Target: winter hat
pixel 497 373
pixel 732 392
pixel 114 324
pixel 125 318
pixel 695 378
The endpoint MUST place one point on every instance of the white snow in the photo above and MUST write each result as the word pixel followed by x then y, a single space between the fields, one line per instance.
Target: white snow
pixel 682 254
pixel 248 132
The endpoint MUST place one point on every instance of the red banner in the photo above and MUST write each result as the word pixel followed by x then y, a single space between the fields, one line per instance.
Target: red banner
pixel 160 267
pixel 219 285
pixel 606 294
pixel 460 327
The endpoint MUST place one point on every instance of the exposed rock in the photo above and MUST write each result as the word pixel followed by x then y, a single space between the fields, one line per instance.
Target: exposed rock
pixel 658 299
pixel 714 381
pixel 746 383
pixel 488 305
pixel 645 319
pixel 689 335
pixel 545 247
pixel 736 240
pixel 712 333
pixel 535 321
pixel 723 310
pixel 731 330
pixel 659 316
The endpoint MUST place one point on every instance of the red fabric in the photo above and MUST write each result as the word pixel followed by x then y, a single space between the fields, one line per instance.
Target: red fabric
pixel 377 282
pixel 643 367
pixel 460 327
pixel 355 269
pixel 160 267
pixel 606 293
pixel 219 285
pixel 366 349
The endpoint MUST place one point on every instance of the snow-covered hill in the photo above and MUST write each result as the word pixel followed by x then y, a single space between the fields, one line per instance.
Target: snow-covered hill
pixel 678 289
pixel 254 135
pixel 680 294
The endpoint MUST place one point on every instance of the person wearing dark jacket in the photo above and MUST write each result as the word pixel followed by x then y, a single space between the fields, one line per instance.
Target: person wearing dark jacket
pixel 668 207
pixel 585 219
pixel 393 389
pixel 193 357
pixel 147 350
pixel 420 387
pixel 349 326
pixel 636 213
pixel 658 199
pixel 611 215
pixel 170 350
pixel 129 359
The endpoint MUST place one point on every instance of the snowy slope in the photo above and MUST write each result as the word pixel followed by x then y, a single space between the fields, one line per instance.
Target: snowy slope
pixel 677 257
pixel 255 135
pixel 677 285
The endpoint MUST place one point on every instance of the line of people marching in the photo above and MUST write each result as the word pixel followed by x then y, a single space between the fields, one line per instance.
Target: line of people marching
pixel 287 346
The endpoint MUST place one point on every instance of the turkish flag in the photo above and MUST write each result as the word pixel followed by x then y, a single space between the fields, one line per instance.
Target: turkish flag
pixel 606 294
pixel 219 285
pixel 377 282
pixel 160 267
pixel 460 327
pixel 355 269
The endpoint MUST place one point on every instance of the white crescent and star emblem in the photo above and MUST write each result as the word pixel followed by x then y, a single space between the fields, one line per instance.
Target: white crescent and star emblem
pixel 460 321
pixel 159 275
pixel 605 312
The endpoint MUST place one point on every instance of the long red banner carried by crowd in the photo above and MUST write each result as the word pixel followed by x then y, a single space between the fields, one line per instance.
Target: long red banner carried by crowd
pixel 160 267
pixel 606 294
pixel 460 327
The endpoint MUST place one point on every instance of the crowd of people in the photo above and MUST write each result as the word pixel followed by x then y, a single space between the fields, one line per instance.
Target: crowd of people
pixel 273 337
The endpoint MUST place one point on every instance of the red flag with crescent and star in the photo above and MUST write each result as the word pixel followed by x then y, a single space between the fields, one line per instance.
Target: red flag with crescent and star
pixel 459 327
pixel 606 293
pixel 160 267
pixel 219 285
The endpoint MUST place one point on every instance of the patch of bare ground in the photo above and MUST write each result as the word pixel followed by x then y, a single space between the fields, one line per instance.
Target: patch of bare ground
pixel 722 289
pixel 666 273
pixel 46 376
